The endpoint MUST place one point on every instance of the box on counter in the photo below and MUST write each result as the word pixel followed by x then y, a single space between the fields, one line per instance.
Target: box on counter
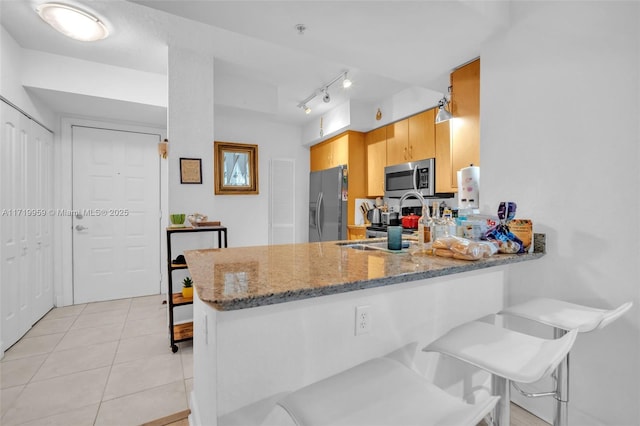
pixel 523 229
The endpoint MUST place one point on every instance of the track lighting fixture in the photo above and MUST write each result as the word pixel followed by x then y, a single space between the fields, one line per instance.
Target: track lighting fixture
pixel 324 91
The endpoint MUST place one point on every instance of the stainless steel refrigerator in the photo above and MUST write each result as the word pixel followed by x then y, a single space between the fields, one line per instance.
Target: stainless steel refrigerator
pixel 328 205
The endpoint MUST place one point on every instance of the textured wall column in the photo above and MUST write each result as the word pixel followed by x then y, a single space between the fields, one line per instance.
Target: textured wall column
pixel 190 128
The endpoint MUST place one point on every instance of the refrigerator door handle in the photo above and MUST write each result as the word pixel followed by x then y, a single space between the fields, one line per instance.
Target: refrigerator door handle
pixel 318 209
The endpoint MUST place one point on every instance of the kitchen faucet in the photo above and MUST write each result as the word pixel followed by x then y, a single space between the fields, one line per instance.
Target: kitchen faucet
pixel 414 194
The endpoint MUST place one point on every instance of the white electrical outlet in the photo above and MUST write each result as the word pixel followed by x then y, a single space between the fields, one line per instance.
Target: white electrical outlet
pixel 363 320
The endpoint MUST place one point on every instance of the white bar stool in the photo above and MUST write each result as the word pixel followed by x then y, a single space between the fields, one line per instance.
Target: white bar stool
pixel 563 316
pixel 381 391
pixel 507 355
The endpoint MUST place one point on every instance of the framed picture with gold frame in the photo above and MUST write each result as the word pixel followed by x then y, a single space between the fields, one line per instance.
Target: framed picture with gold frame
pixel 235 168
pixel 190 170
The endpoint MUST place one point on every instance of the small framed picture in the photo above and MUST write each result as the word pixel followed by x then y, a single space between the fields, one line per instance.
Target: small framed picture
pixel 190 170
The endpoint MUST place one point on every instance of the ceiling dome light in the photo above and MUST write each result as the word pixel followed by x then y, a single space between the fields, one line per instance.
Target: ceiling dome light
pixel 73 22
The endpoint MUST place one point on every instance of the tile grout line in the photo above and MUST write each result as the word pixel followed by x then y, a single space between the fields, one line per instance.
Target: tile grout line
pixel 75 318
pixel 113 360
pixel 47 355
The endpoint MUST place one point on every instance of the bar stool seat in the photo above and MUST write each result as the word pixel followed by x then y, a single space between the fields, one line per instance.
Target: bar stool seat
pixel 565 315
pixel 381 391
pixel 506 354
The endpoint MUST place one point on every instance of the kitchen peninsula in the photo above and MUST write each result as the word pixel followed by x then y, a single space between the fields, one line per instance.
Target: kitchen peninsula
pixel 271 319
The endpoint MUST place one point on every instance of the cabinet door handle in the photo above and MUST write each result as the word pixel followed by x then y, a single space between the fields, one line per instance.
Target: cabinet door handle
pixel 81 228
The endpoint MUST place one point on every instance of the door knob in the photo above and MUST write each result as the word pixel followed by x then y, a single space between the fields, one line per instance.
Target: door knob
pixel 81 228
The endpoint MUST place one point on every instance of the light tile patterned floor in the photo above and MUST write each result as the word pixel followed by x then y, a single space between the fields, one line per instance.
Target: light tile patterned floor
pixel 105 363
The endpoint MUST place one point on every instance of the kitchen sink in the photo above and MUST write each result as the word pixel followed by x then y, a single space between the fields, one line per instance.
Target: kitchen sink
pixel 376 246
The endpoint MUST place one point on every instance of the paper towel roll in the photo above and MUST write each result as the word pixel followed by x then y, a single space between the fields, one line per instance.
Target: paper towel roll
pixel 469 187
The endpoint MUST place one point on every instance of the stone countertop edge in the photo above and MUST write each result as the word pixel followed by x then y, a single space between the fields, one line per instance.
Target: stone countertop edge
pixel 253 301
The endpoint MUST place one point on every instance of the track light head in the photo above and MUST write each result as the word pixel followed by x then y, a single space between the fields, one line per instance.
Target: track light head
pixel 346 83
pixel 307 110
pixel 326 98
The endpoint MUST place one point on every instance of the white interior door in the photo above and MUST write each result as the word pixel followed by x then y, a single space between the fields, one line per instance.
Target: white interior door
pixel 40 183
pixel 116 213
pixel 25 224
pixel 16 303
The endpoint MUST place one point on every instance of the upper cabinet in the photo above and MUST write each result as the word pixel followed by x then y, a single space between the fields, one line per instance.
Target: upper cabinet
pixel 330 153
pixel 446 181
pixel 411 139
pixel 465 127
pixel 376 143
pixel 397 142
pixel 422 135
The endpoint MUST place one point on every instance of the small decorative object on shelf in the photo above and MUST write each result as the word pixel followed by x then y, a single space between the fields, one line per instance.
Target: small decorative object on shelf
pixel 197 218
pixel 177 220
pixel 187 287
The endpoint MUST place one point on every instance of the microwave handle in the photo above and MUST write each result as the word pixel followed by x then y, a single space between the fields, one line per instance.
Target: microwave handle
pixel 415 178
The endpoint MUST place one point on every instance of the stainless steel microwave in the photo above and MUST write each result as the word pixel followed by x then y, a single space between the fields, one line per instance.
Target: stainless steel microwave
pixel 416 176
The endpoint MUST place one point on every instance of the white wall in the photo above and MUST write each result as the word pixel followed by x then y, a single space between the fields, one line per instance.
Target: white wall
pixel 191 132
pixel 247 215
pixel 66 74
pixel 12 68
pixel 550 143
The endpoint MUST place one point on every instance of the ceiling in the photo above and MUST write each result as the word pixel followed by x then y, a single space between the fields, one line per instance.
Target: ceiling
pixel 387 46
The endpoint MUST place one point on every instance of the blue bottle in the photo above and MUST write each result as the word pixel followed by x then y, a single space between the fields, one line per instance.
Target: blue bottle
pixel 394 235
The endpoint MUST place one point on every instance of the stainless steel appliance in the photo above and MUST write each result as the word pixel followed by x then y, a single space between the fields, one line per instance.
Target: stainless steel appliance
pixel 417 176
pixel 328 204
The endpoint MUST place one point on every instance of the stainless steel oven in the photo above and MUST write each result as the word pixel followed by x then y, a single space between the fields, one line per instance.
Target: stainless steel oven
pixel 416 176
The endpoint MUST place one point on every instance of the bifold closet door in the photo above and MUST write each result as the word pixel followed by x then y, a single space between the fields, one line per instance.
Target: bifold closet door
pixel 25 224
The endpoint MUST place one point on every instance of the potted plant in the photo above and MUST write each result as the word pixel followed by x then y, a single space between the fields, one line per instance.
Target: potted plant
pixel 187 288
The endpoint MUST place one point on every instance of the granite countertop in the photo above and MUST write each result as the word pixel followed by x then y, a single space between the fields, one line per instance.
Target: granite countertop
pixel 245 277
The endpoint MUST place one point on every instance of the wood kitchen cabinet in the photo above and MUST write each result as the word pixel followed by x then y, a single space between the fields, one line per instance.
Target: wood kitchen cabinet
pixel 422 135
pixel 397 142
pixel 411 139
pixel 330 153
pixel 376 142
pixel 349 149
pixel 465 127
pixel 446 181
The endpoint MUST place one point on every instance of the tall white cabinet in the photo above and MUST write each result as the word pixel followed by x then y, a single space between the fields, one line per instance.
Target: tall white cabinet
pixel 26 223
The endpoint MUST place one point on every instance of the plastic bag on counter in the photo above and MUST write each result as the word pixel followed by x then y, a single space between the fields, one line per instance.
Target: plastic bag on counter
pixel 463 248
pixel 507 241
